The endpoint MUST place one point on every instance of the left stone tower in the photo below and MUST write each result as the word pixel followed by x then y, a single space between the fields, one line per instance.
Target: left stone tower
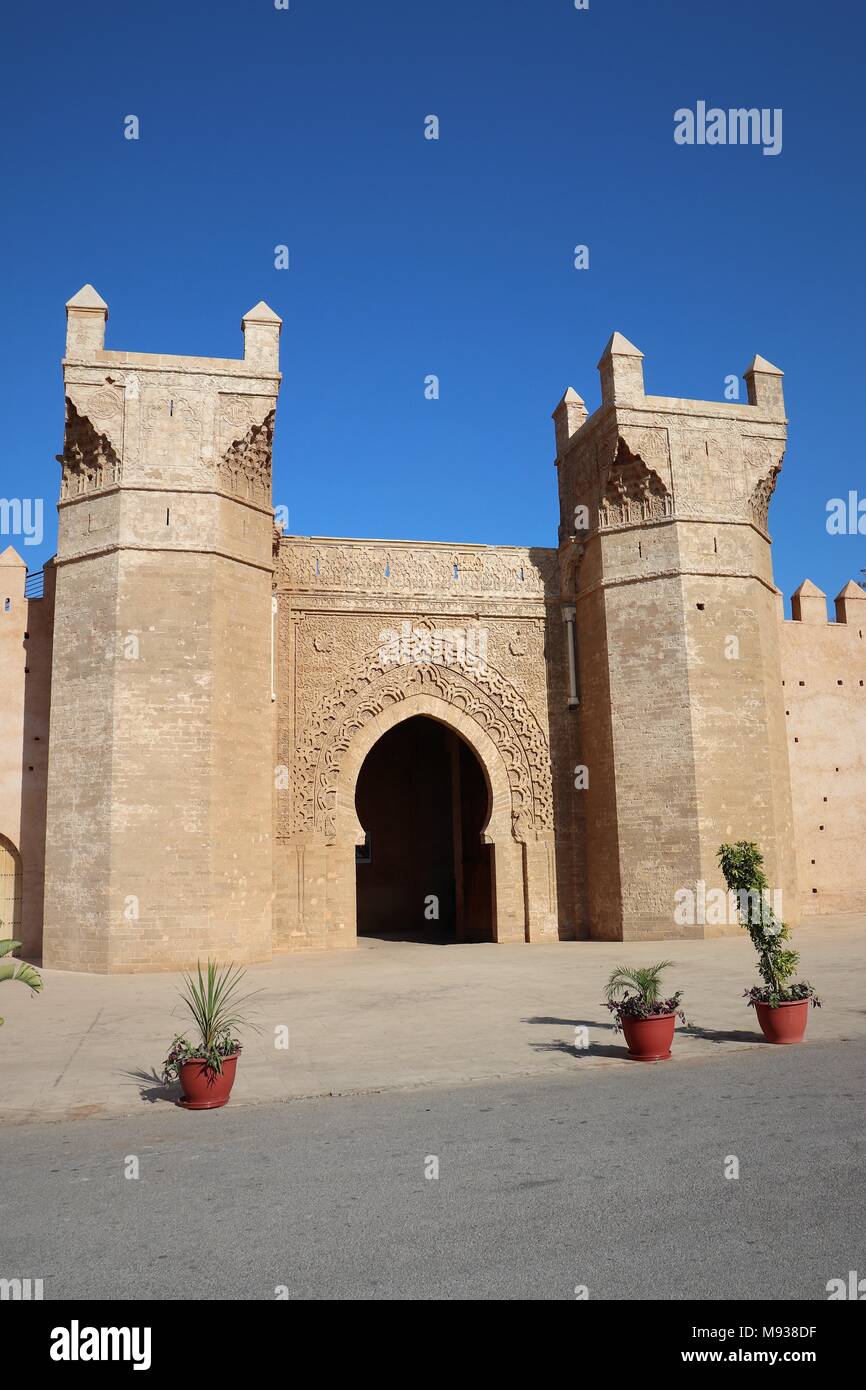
pixel 161 743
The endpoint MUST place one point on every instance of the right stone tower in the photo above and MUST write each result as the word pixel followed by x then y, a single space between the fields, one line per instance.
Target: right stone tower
pixel 665 562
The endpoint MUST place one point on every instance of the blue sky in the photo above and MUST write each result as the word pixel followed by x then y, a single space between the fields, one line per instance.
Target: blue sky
pixel 304 127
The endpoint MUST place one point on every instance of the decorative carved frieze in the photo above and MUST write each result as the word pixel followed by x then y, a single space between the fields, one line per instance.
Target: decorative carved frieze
pixel 368 568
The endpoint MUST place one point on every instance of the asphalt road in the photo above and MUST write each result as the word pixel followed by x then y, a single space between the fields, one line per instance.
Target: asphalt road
pixel 613 1179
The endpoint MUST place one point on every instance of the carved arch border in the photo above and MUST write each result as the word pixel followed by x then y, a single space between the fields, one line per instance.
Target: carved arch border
pixel 497 826
pixel 466 699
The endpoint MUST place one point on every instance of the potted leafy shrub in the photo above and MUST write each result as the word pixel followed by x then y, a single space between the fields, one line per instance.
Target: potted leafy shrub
pixel 647 1021
pixel 206 1067
pixel 782 1006
pixel 17 969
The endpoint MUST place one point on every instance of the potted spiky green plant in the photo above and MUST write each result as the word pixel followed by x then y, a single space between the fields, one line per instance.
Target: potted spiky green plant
pixel 633 995
pixel 782 1005
pixel 206 1067
pixel 17 969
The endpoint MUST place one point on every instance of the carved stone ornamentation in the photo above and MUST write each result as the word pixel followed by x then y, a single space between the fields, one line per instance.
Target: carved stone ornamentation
pixel 651 445
pixel 763 462
pixel 245 466
pixel 484 695
pixel 367 568
pixel 633 493
pixel 179 414
pixel 276 538
pixel 104 408
pixel 171 432
pixel 88 460
pixel 570 557
pixel 759 502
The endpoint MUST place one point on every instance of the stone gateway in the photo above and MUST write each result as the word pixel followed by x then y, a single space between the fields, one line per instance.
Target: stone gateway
pixel 217 739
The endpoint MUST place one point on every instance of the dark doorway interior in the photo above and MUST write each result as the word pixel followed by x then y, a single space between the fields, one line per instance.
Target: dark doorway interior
pixel 422 799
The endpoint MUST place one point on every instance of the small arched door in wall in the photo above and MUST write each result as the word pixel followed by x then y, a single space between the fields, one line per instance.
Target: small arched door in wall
pixel 10 890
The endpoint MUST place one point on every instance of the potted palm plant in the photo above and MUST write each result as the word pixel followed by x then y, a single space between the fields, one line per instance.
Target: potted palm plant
pixel 16 969
pixel 782 1006
pixel 633 995
pixel 206 1067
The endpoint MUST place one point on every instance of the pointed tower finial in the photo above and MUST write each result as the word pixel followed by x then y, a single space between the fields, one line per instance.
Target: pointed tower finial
pixel 86 316
pixel 850 604
pixel 262 327
pixel 809 603
pixel 764 386
pixel 568 417
pixel 621 370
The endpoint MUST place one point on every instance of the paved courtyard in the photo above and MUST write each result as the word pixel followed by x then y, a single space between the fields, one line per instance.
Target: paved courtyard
pixel 394 1015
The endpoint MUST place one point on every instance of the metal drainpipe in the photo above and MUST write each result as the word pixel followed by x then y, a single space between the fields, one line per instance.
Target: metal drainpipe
pixel 568 616
pixel 273 646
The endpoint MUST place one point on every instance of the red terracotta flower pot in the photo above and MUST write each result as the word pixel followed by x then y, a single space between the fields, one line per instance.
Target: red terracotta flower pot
pixel 649 1039
pixel 206 1089
pixel 786 1023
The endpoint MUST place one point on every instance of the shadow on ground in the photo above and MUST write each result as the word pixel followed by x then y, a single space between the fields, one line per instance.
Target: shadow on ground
pixel 152 1088
pixel 560 1044
pixel 692 1030
pixel 720 1035
pixel 594 1049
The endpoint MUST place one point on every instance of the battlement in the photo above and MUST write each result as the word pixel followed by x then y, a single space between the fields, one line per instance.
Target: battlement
pixel 191 437
pixel 809 605
pixel 697 472
pixel 87 315
pixel 622 388
pixel 824 698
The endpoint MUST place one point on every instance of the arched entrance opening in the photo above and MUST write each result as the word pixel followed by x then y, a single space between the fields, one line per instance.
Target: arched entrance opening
pixel 424 872
pixel 10 889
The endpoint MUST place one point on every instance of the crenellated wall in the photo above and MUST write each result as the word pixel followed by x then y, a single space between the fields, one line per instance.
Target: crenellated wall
pixel 824 688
